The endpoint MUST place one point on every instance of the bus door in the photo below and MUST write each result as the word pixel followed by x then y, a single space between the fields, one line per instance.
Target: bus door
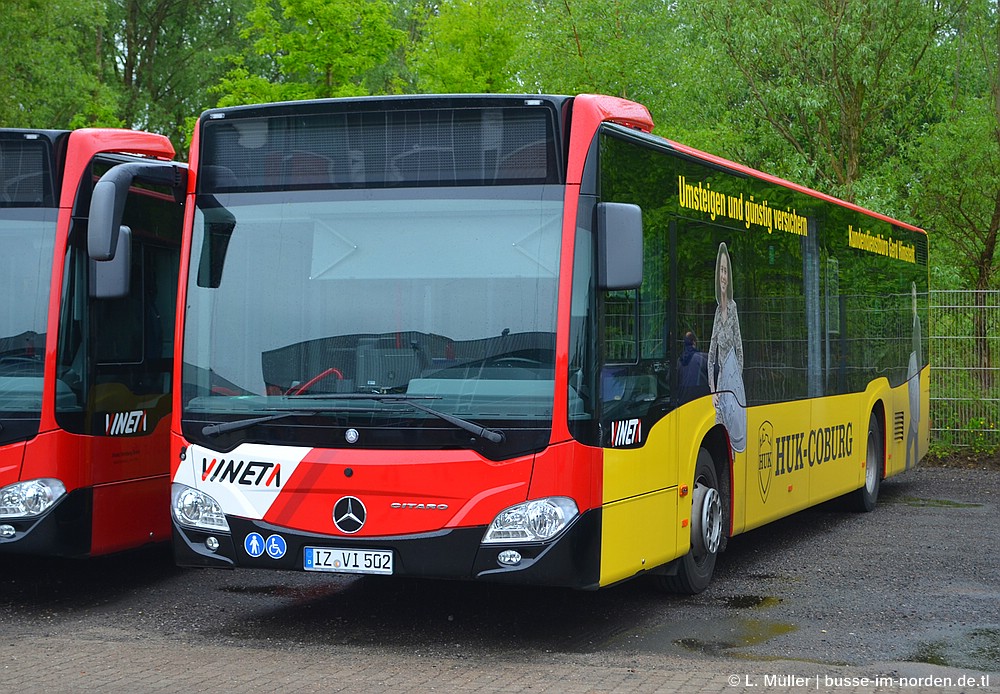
pixel 115 357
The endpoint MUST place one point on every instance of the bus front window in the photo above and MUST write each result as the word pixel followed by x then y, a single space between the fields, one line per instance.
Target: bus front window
pixel 314 301
pixel 27 237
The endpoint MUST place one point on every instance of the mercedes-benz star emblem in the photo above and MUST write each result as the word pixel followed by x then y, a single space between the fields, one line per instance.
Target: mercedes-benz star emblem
pixel 352 435
pixel 349 514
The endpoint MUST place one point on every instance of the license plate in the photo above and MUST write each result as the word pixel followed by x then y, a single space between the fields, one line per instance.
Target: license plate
pixel 348 561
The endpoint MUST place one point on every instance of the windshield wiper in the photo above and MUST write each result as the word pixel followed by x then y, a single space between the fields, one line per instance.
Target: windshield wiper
pixel 491 435
pixel 213 429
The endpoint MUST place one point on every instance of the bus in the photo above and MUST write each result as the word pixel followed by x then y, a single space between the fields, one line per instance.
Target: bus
pixel 522 339
pixel 86 341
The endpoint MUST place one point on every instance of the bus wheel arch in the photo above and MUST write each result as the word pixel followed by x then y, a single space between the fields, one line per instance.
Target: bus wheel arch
pixel 716 444
pixel 710 517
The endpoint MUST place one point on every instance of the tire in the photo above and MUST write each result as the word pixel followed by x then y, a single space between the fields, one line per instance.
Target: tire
pixel 695 569
pixel 863 500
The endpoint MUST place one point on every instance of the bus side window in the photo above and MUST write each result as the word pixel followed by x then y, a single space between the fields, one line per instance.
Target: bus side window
pixel 133 335
pixel 627 384
pixel 621 339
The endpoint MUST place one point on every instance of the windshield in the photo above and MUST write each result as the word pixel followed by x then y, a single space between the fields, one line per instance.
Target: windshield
pixel 27 237
pixel 310 301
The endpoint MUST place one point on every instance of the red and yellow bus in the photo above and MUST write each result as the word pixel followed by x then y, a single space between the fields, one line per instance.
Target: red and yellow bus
pixel 86 342
pixel 522 339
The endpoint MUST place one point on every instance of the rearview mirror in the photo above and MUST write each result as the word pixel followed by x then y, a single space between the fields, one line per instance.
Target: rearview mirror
pixel 110 279
pixel 619 246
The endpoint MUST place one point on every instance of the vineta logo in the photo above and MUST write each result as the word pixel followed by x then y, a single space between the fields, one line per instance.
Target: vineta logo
pixel 626 432
pixel 249 473
pixel 124 423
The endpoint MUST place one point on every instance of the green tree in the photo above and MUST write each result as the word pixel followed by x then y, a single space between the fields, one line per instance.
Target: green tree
pixel 957 194
pixel 162 56
pixel 839 85
pixel 49 73
pixel 313 49
pixel 468 46
pixel 626 48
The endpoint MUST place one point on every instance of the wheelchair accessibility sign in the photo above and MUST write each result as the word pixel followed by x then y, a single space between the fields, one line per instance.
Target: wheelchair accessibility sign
pixel 255 545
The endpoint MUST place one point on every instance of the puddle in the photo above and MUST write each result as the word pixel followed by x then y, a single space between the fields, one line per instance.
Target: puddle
pixel 749 632
pixel 719 635
pixel 978 649
pixel 931 653
pixel 935 503
pixel 743 602
pixel 713 636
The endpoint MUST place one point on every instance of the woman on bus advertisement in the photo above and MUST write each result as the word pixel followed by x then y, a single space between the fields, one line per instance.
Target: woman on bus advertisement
pixel 726 352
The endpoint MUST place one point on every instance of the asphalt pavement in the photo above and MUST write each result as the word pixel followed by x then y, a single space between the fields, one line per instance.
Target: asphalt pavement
pixel 904 599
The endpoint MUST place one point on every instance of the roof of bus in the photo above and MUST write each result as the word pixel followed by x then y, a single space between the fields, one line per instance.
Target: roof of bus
pixel 390 99
pixel 614 109
pixel 47 132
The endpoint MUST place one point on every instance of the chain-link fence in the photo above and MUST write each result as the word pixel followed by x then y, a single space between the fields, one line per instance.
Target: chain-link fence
pixel 964 339
pixel 965 377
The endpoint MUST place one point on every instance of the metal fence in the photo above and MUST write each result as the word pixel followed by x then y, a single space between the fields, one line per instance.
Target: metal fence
pixel 964 343
pixel 965 378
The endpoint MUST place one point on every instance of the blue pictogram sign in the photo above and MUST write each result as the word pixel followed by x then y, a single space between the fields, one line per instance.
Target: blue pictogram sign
pixel 276 546
pixel 254 544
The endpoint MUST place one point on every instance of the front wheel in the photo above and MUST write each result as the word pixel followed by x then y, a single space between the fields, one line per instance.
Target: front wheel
pixel 695 569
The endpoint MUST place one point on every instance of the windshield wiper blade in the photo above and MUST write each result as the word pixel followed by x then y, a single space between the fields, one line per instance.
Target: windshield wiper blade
pixel 213 429
pixel 491 435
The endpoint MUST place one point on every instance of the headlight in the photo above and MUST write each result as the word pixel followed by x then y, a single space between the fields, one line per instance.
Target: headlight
pixel 196 509
pixel 532 521
pixel 31 498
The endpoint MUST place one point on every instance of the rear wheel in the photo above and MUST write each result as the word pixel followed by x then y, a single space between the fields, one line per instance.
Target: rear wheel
pixel 864 499
pixel 695 569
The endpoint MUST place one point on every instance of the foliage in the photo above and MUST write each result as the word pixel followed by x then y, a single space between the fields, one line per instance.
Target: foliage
pixel 313 49
pixel 467 46
pixel 626 48
pixel 49 72
pixel 957 191
pixel 840 84
pixel 890 103
pixel 976 436
pixel 161 57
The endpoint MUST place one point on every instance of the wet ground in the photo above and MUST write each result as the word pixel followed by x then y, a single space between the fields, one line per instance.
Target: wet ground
pixel 915 584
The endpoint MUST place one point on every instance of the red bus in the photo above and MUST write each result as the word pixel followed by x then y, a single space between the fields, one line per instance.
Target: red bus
pixel 85 344
pixel 522 339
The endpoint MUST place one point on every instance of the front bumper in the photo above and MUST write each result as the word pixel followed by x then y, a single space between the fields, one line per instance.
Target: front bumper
pixel 570 560
pixel 62 531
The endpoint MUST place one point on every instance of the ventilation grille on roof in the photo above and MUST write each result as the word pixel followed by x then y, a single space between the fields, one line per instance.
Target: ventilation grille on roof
pixel 24 173
pixel 377 149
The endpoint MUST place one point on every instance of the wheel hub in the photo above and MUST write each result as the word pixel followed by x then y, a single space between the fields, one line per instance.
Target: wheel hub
pixel 706 520
pixel 871 463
